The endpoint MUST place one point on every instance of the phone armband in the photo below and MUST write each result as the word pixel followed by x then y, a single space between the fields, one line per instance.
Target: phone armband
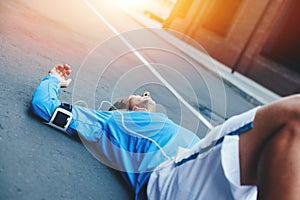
pixel 61 119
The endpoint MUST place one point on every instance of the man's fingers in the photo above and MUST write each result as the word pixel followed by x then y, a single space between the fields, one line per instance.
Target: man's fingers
pixel 59 68
pixel 63 70
pixel 67 73
pixel 67 67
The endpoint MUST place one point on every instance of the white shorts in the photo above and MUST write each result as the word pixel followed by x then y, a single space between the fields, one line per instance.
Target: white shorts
pixel 210 170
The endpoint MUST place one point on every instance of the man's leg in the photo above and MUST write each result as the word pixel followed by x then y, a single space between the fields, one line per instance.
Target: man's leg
pixel 269 153
pixel 279 165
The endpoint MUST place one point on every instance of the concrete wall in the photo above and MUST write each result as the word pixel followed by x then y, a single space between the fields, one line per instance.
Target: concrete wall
pixel 240 47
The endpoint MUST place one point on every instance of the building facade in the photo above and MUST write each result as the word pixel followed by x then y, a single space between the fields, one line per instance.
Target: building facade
pixel 258 38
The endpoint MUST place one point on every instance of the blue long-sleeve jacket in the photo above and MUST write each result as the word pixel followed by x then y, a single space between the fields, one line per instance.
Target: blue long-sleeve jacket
pixel 131 142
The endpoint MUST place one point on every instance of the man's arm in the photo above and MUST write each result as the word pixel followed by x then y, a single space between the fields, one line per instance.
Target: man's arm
pixel 45 98
pixel 45 101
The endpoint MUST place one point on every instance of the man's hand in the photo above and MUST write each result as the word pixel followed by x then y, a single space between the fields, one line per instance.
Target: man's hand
pixel 62 72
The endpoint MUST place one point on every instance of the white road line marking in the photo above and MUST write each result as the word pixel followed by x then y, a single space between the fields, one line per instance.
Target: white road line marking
pixel 150 67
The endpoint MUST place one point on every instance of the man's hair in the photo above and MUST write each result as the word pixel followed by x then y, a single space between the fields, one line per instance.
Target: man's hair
pixel 119 105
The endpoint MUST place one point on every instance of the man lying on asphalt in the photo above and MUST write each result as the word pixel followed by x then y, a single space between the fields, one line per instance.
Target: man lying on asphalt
pixel 252 155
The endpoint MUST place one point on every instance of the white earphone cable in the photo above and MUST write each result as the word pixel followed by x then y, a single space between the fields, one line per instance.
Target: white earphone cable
pixel 135 133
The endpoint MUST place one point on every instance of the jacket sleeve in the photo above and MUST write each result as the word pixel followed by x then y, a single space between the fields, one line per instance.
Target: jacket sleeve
pixel 45 98
pixel 87 121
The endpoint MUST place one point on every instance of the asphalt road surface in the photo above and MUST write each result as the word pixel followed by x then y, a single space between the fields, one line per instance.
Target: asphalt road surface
pixel 38 162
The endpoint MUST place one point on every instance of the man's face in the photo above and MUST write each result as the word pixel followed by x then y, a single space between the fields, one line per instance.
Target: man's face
pixel 140 103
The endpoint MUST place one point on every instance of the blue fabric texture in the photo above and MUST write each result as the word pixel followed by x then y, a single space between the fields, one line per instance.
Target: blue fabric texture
pixel 118 138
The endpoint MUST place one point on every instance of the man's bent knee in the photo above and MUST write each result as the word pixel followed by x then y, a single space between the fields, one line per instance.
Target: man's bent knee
pixel 289 108
pixel 295 106
pixel 278 169
pixel 293 129
pixel 283 143
pixel 288 136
